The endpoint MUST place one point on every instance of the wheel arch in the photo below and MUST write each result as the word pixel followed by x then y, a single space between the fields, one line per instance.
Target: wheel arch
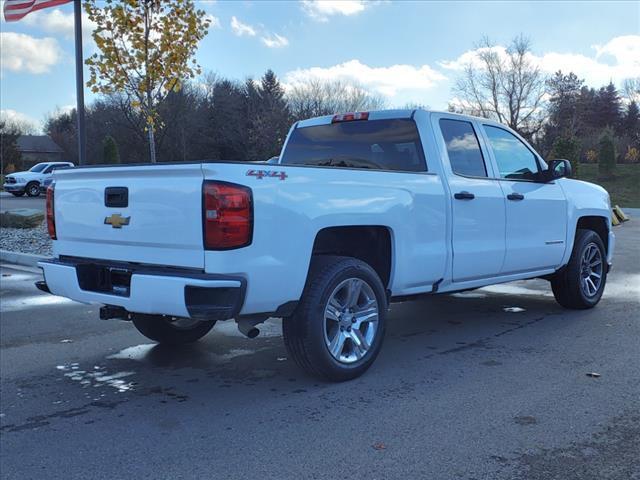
pixel 373 244
pixel 596 223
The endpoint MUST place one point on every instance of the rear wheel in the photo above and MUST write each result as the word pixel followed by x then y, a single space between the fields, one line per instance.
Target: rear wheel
pixel 580 284
pixel 33 189
pixel 337 329
pixel 171 331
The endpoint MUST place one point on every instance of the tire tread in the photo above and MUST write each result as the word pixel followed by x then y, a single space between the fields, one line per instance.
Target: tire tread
pixel 298 339
pixel 565 283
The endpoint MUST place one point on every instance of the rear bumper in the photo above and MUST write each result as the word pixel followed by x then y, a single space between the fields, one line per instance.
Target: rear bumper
pixel 152 290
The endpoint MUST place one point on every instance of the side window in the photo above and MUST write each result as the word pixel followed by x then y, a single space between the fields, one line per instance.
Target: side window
pixel 49 169
pixel 463 148
pixel 514 159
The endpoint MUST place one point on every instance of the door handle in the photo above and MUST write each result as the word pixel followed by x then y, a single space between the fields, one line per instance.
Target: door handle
pixel 464 195
pixel 515 196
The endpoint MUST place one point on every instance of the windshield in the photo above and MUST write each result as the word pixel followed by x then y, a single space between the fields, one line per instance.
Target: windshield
pixel 38 168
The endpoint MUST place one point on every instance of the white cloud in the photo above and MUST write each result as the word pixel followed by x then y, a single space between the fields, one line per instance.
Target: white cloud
pixel 614 61
pixel 625 50
pixel 20 52
pixel 321 10
pixel 471 57
pixel 388 81
pixel 214 22
pixel 275 41
pixel 271 40
pixel 25 121
pixel 57 22
pixel 241 29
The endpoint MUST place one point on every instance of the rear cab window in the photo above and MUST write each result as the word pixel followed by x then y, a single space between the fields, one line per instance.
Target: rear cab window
pixel 389 144
pixel 463 148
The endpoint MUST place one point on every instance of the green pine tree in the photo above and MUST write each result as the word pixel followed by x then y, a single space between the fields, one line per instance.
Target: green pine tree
pixel 110 153
pixel 568 148
pixel 607 153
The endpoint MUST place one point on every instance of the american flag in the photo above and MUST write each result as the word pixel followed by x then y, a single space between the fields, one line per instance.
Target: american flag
pixel 14 10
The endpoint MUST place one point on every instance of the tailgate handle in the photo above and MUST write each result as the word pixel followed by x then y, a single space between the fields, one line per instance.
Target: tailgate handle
pixel 116 197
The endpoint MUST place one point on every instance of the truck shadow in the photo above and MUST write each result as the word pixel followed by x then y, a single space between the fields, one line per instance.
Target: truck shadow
pixel 417 330
pixel 428 343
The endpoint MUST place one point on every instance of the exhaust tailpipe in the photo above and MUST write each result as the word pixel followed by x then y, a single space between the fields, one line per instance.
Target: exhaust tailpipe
pixel 247 327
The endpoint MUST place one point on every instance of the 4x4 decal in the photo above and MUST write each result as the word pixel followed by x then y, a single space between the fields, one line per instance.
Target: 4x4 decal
pixel 260 174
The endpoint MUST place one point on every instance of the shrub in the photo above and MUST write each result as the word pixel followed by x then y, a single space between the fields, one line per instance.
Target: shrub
pixel 592 156
pixel 632 155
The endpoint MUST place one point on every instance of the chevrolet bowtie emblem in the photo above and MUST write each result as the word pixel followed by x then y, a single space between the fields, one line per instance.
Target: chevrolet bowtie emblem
pixel 116 220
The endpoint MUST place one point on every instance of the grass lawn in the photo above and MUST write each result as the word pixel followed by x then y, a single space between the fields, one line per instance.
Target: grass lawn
pixel 624 187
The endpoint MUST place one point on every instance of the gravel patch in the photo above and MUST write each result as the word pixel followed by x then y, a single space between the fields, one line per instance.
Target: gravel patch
pixel 26 240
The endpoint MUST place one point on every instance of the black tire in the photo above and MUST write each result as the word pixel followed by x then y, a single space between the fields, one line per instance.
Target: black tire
pixel 161 330
pixel 566 284
pixel 32 189
pixel 17 194
pixel 304 332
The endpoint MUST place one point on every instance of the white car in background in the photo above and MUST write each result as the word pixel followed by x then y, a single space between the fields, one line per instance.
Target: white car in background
pixel 29 182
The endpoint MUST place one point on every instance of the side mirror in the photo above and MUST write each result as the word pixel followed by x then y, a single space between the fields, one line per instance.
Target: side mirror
pixel 557 169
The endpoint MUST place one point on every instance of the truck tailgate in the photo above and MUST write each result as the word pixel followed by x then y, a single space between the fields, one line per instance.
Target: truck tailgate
pixel 159 223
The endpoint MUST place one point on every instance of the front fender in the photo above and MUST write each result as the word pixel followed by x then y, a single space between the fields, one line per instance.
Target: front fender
pixel 585 199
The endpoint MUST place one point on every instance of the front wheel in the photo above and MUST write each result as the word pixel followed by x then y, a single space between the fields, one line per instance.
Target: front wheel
pixel 171 331
pixel 580 284
pixel 33 189
pixel 337 329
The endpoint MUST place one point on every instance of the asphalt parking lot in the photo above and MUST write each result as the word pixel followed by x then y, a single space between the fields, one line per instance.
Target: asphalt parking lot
pixel 488 384
pixel 11 202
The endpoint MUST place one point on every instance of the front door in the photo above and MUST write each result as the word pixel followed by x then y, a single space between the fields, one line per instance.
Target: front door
pixel 478 233
pixel 536 212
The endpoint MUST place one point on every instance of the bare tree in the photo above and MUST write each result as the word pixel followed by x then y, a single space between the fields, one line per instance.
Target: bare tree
pixel 631 88
pixel 504 85
pixel 314 97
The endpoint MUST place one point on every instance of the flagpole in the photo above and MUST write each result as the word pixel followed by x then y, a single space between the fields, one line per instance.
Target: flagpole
pixel 82 143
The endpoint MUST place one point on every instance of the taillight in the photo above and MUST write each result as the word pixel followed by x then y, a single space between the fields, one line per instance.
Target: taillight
pixel 227 215
pixel 51 217
pixel 350 117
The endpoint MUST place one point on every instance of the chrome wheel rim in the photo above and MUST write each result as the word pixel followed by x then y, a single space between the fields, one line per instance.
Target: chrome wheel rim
pixel 350 320
pixel 34 189
pixel 591 268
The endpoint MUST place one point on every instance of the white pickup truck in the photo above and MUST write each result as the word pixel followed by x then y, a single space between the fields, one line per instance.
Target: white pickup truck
pixel 31 181
pixel 361 209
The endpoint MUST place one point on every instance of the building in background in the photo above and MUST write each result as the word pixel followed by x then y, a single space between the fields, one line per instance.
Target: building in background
pixel 37 148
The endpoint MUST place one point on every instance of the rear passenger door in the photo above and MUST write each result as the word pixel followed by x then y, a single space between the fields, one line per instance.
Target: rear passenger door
pixel 536 211
pixel 478 220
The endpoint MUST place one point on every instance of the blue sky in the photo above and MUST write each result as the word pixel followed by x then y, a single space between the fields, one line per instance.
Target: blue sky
pixel 405 51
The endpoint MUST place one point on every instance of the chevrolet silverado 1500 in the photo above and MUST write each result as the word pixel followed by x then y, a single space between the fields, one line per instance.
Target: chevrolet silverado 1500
pixel 359 210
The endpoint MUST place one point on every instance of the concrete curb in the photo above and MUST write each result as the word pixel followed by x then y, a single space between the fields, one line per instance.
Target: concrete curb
pixel 17 258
